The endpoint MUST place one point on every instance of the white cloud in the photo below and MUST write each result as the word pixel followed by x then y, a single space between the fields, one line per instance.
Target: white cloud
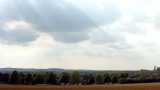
pixel 14 24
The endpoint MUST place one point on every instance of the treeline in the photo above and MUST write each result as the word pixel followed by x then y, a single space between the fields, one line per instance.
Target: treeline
pixel 76 78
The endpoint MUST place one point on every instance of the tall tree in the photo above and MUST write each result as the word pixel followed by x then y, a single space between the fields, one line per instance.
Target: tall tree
pixel 99 79
pixel 84 79
pixel 114 78
pixel 106 78
pixel 22 78
pixel 28 79
pixel 65 78
pixel 91 79
pixel 52 78
pixel 75 77
pixel 14 79
pixel 39 79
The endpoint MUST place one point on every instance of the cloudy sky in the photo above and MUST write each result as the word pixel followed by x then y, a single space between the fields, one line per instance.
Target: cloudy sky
pixel 80 34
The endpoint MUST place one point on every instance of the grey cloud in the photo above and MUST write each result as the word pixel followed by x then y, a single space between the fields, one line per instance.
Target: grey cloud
pixel 70 37
pixel 115 41
pixel 120 46
pixel 57 17
pixel 54 16
pixel 103 38
pixel 100 37
pixel 18 36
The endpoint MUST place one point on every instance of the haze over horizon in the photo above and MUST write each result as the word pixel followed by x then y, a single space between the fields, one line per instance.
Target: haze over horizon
pixel 80 34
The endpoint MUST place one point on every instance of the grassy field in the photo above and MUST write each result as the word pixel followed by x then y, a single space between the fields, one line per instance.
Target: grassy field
pixel 148 86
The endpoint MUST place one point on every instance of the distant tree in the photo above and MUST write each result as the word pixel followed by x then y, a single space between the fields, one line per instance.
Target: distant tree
pixel 127 75
pixel 142 78
pixel 65 78
pixel 158 70
pixel 4 78
pixel 28 79
pixel 39 79
pixel 0 75
pixel 114 78
pixel 52 78
pixel 75 77
pixel 47 74
pixel 106 78
pixel 98 79
pixel 22 78
pixel 84 79
pixel 14 79
pixel 91 79
pixel 121 80
pixel 34 76
pixel 123 75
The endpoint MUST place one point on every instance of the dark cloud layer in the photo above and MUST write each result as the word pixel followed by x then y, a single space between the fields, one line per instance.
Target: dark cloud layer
pixel 63 20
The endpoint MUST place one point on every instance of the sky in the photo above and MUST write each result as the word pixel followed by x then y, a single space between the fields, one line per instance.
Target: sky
pixel 80 34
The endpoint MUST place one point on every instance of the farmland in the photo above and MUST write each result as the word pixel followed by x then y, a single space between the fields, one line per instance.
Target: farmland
pixel 146 86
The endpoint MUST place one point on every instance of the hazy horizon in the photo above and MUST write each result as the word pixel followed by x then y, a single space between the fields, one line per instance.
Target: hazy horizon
pixel 80 69
pixel 80 34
